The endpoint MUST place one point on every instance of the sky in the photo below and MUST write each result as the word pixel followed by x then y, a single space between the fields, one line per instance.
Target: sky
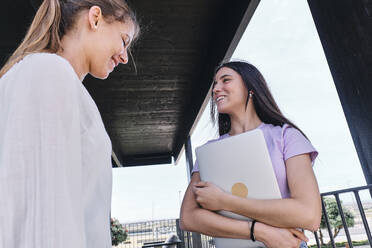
pixel 282 42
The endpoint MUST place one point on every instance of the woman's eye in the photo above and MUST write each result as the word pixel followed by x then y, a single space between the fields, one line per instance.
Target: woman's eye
pixel 226 80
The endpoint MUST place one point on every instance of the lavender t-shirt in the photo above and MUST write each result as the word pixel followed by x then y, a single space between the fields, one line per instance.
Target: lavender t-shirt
pixel 282 143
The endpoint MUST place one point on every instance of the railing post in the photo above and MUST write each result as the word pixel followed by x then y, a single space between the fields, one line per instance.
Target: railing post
pixel 196 238
pixel 180 234
pixel 328 225
pixel 343 221
pixel 364 219
pixel 316 239
pixel 189 238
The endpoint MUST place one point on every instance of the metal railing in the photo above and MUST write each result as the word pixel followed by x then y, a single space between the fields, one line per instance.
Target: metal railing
pixel 140 233
pixel 207 242
pixel 336 194
pixel 155 231
pixel 197 240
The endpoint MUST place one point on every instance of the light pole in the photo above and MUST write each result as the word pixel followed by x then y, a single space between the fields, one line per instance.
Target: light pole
pixel 179 198
pixel 152 210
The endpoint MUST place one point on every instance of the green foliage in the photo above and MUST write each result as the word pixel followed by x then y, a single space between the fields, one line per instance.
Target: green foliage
pixel 118 233
pixel 334 217
pixel 342 244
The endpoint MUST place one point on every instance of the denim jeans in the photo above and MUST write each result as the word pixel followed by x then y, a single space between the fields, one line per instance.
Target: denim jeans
pixel 303 245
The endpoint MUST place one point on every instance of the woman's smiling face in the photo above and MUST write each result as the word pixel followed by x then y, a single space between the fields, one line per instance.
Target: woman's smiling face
pixel 229 91
pixel 110 47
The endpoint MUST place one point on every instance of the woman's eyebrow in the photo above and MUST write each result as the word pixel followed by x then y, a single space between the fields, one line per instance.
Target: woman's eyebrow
pixel 223 76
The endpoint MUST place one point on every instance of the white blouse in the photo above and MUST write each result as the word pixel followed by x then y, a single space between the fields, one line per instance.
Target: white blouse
pixel 55 159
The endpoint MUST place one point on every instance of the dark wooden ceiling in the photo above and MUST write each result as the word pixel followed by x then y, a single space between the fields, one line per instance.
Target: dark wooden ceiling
pixel 149 112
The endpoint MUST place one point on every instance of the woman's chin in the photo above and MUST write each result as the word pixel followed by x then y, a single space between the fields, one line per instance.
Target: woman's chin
pixel 225 111
pixel 101 74
pixel 222 110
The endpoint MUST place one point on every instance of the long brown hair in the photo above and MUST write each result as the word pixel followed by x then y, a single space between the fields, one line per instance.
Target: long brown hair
pixel 263 101
pixel 55 17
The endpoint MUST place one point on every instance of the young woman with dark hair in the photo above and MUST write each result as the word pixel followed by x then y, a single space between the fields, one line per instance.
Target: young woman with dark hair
pixel 55 154
pixel 243 102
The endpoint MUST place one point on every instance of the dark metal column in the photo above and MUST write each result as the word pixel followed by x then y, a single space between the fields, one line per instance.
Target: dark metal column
pixel 345 30
pixel 189 160
pixel 196 239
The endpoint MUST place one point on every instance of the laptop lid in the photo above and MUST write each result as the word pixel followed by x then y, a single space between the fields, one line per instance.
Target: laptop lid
pixel 240 165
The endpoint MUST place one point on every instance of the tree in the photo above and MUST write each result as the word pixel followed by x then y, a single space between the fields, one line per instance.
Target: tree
pixel 334 218
pixel 118 233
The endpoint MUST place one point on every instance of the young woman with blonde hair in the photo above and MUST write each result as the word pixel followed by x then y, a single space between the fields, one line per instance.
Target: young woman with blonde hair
pixel 55 154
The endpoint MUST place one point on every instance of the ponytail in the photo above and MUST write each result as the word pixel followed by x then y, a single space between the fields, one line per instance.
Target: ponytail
pixel 55 17
pixel 42 36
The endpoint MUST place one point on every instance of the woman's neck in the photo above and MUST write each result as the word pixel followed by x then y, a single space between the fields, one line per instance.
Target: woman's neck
pixel 73 52
pixel 244 121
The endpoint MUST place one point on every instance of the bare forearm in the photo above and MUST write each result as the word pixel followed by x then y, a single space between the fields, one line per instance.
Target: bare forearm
pixel 287 213
pixel 205 222
pixel 212 224
pixel 195 219
pixel 302 210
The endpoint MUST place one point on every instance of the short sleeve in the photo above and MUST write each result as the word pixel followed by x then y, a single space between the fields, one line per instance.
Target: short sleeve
pixel 196 167
pixel 40 157
pixel 295 143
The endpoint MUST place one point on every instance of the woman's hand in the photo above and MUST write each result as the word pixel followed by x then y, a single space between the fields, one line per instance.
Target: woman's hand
pixel 209 196
pixel 274 237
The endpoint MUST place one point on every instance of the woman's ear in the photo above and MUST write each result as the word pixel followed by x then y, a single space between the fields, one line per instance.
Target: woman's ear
pixel 94 17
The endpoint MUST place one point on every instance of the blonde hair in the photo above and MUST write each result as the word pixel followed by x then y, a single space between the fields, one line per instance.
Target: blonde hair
pixel 55 17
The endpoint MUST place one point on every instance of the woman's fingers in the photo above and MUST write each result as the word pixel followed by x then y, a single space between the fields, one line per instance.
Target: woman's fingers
pixel 201 184
pixel 299 234
pixel 195 189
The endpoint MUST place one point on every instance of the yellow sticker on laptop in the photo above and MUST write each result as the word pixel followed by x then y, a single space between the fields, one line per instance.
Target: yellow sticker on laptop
pixel 239 189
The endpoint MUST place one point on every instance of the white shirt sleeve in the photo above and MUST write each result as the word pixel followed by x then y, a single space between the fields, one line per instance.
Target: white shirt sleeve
pixel 40 156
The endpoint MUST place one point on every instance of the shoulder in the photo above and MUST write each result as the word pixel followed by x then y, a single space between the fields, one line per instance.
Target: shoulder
pixel 273 134
pixel 46 72
pixel 296 143
pixel 282 132
pixel 42 79
pixel 274 131
pixel 48 64
pixel 289 133
pixel 39 60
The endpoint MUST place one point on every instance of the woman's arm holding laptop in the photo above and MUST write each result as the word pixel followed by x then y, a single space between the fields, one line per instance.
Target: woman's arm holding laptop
pixel 196 219
pixel 302 210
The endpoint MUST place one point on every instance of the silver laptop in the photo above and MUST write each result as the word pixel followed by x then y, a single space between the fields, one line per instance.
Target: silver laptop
pixel 240 165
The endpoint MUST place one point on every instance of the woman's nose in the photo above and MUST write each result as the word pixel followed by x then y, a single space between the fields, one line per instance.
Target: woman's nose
pixel 216 88
pixel 123 56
